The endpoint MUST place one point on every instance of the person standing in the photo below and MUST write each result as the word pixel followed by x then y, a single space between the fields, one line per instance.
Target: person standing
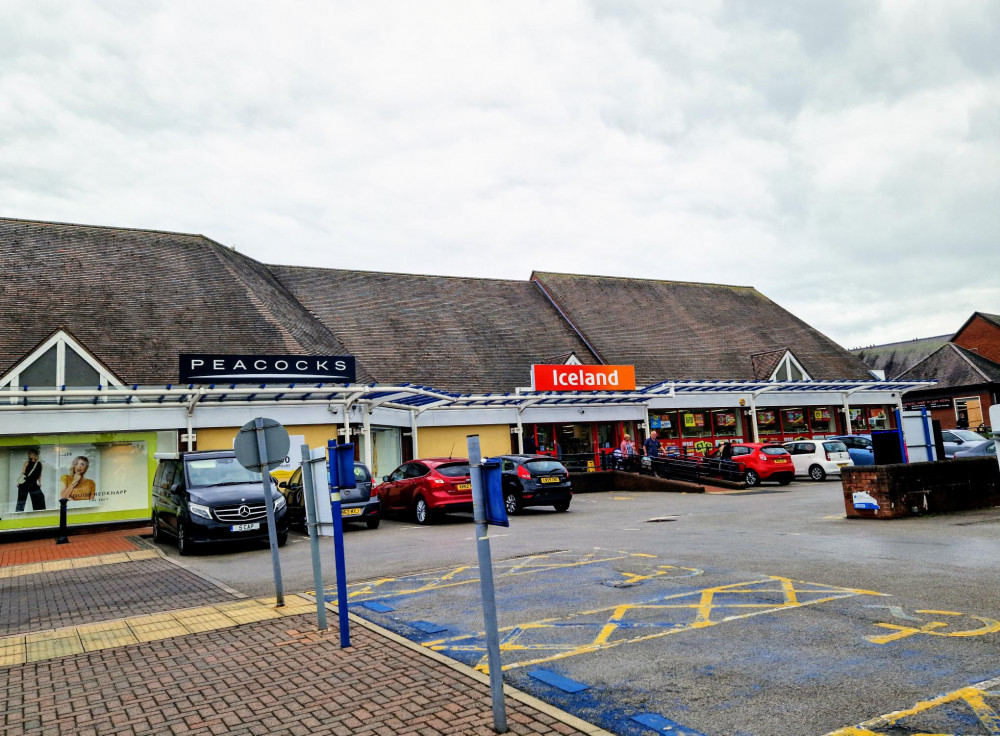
pixel 652 444
pixel 30 483
pixel 627 447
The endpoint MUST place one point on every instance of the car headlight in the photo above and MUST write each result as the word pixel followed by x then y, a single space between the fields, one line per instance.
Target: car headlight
pixel 198 509
pixel 279 503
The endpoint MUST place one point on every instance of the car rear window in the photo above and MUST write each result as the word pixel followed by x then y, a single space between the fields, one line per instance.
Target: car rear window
pixel 545 466
pixel 774 450
pixel 361 474
pixel 835 447
pixel 453 470
pixel 968 435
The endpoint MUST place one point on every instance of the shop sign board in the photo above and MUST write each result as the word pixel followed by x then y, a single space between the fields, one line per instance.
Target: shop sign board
pixel 927 404
pixel 215 368
pixel 583 377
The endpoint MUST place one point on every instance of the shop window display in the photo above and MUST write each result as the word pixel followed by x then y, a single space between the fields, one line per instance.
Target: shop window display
pixel 696 424
pixel 726 423
pixel 878 419
pixel 109 476
pixel 543 438
pixel 859 420
pixel 793 421
pixel 821 420
pixel 767 422
pixel 665 425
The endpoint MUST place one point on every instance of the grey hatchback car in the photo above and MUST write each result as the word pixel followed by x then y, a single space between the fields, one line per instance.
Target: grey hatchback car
pixel 356 504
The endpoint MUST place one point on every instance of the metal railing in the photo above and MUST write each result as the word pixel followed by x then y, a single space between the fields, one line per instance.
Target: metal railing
pixel 691 468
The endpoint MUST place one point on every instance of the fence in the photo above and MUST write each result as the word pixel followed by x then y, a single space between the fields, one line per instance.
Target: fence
pixel 691 468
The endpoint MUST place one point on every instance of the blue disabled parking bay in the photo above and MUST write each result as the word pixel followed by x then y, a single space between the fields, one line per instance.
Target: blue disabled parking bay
pixel 638 644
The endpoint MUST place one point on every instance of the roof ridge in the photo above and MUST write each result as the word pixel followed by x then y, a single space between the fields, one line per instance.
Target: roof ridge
pixel 394 273
pixel 640 278
pixel 946 338
pixel 110 227
pixel 966 354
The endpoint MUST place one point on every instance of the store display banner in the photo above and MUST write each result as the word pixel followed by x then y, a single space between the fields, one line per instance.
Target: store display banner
pixel 213 368
pixel 583 377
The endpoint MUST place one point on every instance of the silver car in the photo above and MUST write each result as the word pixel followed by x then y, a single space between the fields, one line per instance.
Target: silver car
pixel 960 439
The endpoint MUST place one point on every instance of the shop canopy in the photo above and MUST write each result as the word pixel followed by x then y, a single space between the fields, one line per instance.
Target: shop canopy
pixel 417 399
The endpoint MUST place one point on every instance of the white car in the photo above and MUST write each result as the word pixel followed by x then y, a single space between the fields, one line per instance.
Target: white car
pixel 818 458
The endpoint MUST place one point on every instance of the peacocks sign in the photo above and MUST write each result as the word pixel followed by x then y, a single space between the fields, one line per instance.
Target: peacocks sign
pixel 211 368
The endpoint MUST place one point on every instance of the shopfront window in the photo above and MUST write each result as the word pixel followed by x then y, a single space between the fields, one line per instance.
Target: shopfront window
pixel 696 424
pixel 767 422
pixel 878 418
pixel 822 420
pixel 574 439
pixel 606 436
pixel 107 476
pixel 793 421
pixel 859 420
pixel 543 437
pixel 726 423
pixel 665 424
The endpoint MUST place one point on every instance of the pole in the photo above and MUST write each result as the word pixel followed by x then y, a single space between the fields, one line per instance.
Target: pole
pixel 62 538
pixel 486 585
pixel 272 532
pixel 338 554
pixel 312 524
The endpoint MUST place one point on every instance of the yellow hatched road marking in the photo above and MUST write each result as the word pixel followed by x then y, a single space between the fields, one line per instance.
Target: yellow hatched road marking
pixel 709 606
pixel 989 626
pixel 972 697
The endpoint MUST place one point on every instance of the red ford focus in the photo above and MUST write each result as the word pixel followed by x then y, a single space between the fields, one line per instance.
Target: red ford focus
pixel 426 488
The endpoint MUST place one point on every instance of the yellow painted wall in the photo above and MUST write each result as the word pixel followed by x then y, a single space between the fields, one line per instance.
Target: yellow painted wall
pixel 221 438
pixel 438 441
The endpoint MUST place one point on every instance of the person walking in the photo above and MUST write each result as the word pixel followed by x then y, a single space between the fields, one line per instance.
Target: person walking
pixel 652 444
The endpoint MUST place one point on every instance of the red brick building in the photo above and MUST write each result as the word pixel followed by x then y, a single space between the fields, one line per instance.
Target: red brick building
pixel 966 366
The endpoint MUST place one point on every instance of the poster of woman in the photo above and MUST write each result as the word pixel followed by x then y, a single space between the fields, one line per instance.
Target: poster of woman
pixel 29 483
pixel 79 467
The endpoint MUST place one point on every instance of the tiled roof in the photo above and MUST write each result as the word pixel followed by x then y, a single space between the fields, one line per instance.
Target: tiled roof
pixel 898 357
pixel 137 298
pixel 459 334
pixel 670 329
pixel 954 366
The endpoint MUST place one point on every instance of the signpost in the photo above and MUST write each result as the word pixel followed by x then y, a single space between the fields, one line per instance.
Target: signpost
pixel 486 478
pixel 261 445
pixel 312 524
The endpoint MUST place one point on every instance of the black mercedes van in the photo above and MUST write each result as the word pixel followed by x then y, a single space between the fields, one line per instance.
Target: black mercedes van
pixel 208 497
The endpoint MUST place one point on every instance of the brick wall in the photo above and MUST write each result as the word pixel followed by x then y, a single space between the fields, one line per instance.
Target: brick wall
pixel 982 336
pixel 938 487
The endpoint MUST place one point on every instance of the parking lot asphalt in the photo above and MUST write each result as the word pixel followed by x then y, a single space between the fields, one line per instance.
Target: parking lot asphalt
pixel 758 613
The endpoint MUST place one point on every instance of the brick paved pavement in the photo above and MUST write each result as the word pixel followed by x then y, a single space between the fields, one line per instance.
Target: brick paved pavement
pixel 274 676
pixel 80 545
pixel 50 600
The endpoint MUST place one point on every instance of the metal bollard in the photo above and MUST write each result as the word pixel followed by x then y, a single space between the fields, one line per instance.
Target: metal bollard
pixel 62 539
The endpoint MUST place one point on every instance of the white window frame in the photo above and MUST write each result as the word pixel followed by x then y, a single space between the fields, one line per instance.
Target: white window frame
pixel 784 370
pixel 62 341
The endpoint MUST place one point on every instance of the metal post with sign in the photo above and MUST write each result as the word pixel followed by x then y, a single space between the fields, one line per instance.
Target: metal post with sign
pixel 340 459
pixel 484 512
pixel 256 443
pixel 312 524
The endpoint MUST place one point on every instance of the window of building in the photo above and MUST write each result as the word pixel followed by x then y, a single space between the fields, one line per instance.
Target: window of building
pixel 59 361
pixel 767 422
pixel 696 424
pixel 789 369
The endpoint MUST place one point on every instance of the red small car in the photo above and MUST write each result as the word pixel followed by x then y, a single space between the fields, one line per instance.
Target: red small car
pixel 760 462
pixel 427 487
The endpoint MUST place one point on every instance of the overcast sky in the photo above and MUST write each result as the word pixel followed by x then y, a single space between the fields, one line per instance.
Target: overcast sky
pixel 841 157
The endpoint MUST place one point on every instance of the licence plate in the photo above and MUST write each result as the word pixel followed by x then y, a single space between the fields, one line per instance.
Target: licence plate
pixel 841 465
pixel 781 460
pixel 463 487
pixel 551 480
pixel 244 527
pixel 350 512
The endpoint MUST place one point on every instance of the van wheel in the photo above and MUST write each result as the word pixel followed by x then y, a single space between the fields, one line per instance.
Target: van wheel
pixel 511 503
pixel 184 544
pixel 817 473
pixel 157 534
pixel 421 512
pixel 751 478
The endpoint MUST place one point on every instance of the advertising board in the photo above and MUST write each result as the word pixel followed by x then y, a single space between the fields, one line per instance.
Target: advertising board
pixel 583 377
